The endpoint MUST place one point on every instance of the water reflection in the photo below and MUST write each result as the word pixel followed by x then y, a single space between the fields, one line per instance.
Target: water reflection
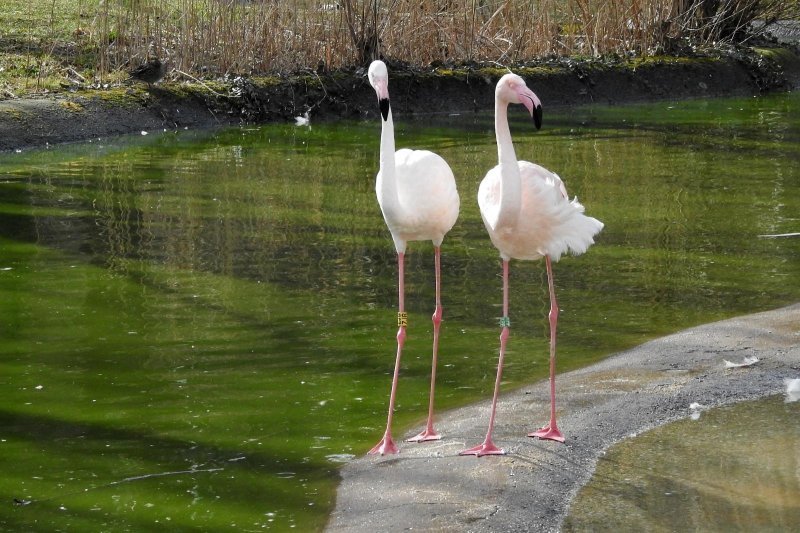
pixel 222 305
pixel 737 470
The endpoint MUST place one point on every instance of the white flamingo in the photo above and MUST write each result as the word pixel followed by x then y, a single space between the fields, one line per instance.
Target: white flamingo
pixel 418 197
pixel 528 216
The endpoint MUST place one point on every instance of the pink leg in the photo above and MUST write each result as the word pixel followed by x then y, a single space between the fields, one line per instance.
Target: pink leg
pixel 551 431
pixel 386 444
pixel 429 433
pixel 487 447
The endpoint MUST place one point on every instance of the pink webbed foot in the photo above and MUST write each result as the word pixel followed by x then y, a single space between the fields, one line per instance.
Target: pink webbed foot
pixel 428 435
pixel 385 447
pixel 550 432
pixel 486 448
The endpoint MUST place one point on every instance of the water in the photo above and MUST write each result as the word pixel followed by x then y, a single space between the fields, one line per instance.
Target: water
pixel 197 329
pixel 737 468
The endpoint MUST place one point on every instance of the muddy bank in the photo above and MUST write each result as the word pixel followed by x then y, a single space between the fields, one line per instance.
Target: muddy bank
pixel 84 115
pixel 429 487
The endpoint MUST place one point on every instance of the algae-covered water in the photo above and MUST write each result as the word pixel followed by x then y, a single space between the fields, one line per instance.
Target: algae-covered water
pixel 736 468
pixel 196 329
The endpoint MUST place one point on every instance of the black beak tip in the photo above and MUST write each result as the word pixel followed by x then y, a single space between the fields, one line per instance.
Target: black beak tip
pixel 537 117
pixel 384 103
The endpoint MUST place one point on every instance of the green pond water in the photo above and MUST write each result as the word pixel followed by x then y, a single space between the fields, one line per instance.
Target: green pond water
pixel 736 468
pixel 197 329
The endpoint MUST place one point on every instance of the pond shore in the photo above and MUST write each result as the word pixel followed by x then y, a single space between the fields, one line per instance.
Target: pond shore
pixel 136 107
pixel 429 487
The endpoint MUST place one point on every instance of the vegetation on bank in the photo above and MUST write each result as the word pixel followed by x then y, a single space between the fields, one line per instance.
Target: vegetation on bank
pixel 54 45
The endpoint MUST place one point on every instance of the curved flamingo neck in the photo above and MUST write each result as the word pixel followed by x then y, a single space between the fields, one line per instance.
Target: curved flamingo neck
pixel 510 184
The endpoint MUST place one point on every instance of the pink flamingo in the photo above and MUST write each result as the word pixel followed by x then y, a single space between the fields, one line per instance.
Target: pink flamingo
pixel 419 201
pixel 528 216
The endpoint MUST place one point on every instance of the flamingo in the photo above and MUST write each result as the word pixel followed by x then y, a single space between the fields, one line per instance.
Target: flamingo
pixel 528 216
pixel 418 198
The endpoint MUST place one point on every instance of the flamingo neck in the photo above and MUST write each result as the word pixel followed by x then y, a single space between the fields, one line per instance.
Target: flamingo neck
pixel 386 184
pixel 387 147
pixel 510 184
pixel 387 181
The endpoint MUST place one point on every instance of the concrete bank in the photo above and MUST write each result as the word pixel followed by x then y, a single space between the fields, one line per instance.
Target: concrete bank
pixel 428 487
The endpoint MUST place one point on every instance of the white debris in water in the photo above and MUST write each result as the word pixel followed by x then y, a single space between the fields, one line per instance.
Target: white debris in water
pixel 695 409
pixel 747 361
pixel 303 120
pixel 340 457
pixel 792 389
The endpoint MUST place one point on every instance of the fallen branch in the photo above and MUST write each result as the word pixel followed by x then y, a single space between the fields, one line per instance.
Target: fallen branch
pixel 204 85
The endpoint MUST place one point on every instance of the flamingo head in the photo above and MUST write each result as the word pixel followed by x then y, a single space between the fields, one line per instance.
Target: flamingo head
pixel 511 89
pixel 379 79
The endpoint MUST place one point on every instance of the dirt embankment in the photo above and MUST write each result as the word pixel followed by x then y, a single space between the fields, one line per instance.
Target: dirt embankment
pixel 83 115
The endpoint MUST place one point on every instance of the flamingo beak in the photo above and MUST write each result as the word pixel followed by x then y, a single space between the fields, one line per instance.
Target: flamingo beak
pixel 537 117
pixel 382 90
pixel 384 104
pixel 529 99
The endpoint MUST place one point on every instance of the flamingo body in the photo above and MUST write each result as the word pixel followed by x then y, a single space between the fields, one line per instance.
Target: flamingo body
pixel 426 204
pixel 548 224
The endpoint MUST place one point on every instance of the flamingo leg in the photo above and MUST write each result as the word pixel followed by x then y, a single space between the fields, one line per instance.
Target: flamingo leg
pixel 386 445
pixel 429 433
pixel 551 431
pixel 487 447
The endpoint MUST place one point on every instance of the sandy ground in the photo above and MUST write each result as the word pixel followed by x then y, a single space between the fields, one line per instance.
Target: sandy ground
pixel 429 487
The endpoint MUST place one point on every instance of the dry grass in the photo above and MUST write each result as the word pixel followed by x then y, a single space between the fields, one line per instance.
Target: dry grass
pixel 52 43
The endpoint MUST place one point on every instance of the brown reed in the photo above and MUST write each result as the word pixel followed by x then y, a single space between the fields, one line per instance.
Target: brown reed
pixel 207 38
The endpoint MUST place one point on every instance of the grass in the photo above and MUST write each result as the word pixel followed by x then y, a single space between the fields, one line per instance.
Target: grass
pixel 56 45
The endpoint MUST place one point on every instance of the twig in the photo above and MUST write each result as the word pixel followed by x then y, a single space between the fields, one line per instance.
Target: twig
pixel 158 474
pixel 779 235
pixel 22 502
pixel 204 85
pixel 323 90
